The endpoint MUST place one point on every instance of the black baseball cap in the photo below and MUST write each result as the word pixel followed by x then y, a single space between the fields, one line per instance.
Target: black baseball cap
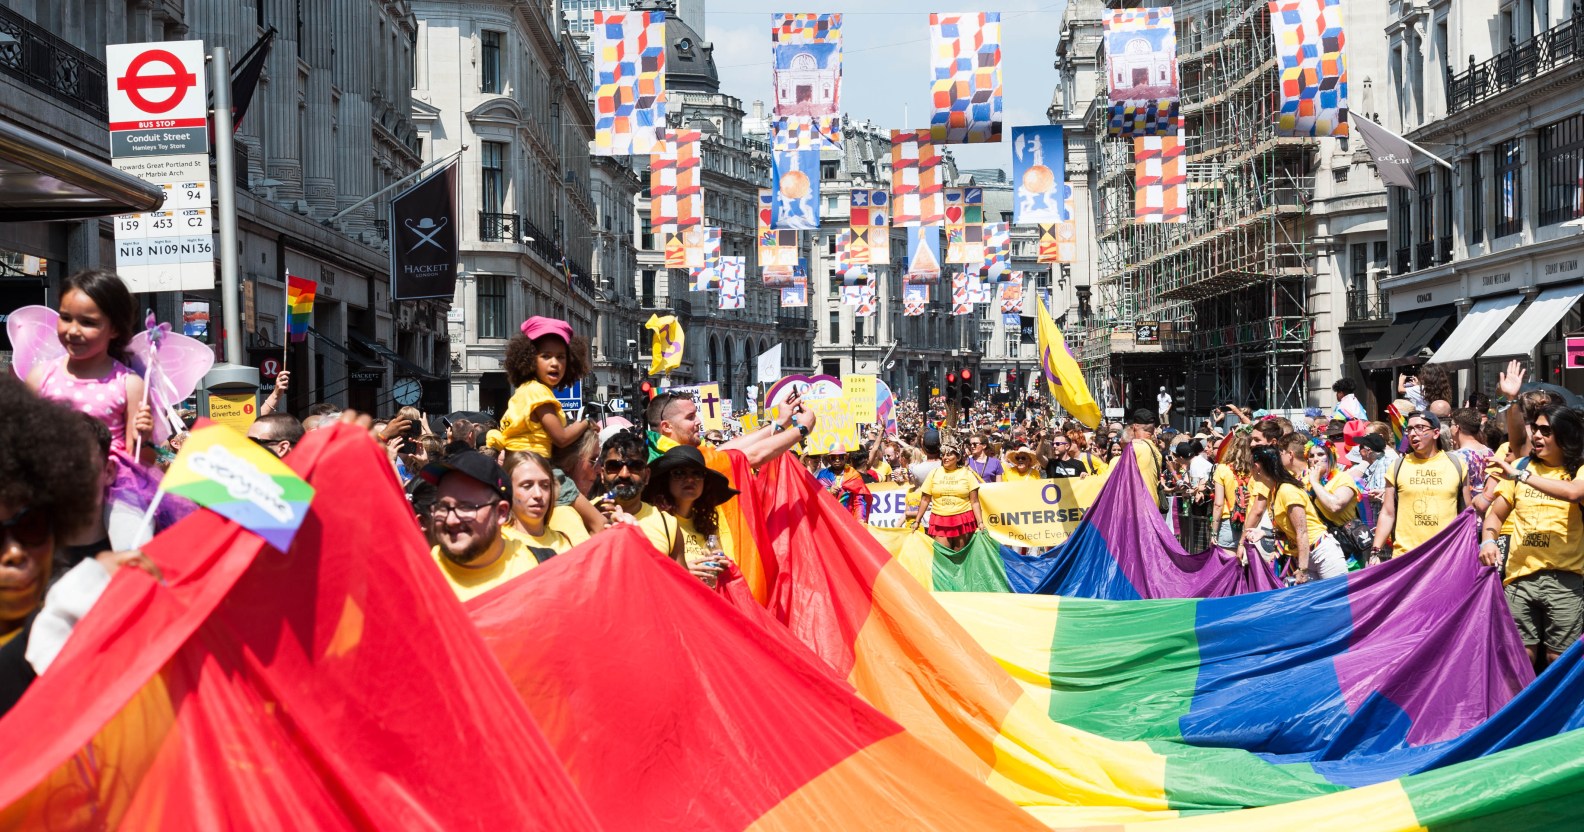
pixel 470 464
pixel 1143 417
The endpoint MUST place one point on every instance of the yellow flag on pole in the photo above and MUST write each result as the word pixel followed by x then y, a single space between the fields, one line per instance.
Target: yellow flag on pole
pixel 665 354
pixel 1061 372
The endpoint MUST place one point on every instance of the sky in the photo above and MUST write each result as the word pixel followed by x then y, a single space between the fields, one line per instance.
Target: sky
pixel 885 70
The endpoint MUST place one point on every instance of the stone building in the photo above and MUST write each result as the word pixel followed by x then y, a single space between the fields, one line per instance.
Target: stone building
pixel 503 83
pixel 1486 257
pixel 327 128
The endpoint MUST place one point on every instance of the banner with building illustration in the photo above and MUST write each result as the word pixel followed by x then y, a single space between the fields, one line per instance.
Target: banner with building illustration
pixel 629 82
pixel 806 70
pixel 1309 53
pixel 1160 178
pixel 917 192
pixel 914 298
pixel 794 176
pixel 1039 175
pixel 1141 72
pixel 923 265
pixel 869 217
pixel 964 218
pixel 965 66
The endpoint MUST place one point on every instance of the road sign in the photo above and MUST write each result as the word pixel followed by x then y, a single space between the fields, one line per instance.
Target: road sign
pixel 570 396
pixel 159 132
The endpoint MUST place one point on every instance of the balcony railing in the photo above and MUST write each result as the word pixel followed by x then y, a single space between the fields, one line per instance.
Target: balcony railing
pixel 46 63
pixel 1402 263
pixel 1367 305
pixel 791 322
pixel 500 227
pixel 1444 249
pixel 1561 44
pixel 1424 254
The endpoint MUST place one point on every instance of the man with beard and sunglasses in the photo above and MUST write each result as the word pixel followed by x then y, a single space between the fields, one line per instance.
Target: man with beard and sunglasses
pixel 624 471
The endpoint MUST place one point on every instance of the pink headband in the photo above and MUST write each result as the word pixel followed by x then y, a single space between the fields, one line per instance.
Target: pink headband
pixel 537 327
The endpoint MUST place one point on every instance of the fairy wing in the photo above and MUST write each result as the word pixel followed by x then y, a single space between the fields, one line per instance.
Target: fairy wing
pixel 172 373
pixel 33 338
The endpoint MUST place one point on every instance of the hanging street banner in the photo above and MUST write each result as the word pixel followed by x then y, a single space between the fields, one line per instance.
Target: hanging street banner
pixel 159 132
pixel 423 231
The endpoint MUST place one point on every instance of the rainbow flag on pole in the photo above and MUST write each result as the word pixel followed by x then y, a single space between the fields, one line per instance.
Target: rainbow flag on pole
pixel 226 473
pixel 300 292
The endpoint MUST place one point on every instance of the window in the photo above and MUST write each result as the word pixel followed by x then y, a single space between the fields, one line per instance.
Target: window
pixel 1562 171
pixel 834 332
pixel 1509 177
pixel 493 172
pixel 491 292
pixel 649 289
pixel 1444 211
pixel 1426 208
pixel 1359 273
pixel 489 62
pixel 1013 343
pixel 1476 206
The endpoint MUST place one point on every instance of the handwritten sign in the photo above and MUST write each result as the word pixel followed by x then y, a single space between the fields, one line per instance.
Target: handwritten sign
pixel 710 404
pixel 860 393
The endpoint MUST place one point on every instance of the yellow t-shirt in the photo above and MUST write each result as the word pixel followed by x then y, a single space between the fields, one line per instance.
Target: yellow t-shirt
pixel 1547 531
pixel 467 583
pixel 1501 453
pixel 552 540
pixel 519 430
pixel 1148 457
pixel 1011 474
pixel 658 526
pixel 1341 482
pixel 565 520
pixel 949 490
pixel 1287 496
pixel 695 546
pixel 1427 497
pixel 1225 477
pixel 882 471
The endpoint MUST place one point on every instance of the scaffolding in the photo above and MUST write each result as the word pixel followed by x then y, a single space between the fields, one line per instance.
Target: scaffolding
pixel 1236 273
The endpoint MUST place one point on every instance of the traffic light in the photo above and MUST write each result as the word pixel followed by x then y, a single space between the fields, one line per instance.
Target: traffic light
pixel 965 391
pixel 951 387
pixel 923 391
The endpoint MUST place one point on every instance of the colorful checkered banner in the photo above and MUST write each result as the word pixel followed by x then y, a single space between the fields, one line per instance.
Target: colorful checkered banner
pixel 917 192
pixel 1160 179
pixel 629 73
pixel 1141 72
pixel 1309 41
pixel 676 195
pixel 965 66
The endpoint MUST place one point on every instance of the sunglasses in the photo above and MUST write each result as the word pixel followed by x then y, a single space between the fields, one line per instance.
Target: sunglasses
pixel 615 466
pixel 1540 430
pixel 28 527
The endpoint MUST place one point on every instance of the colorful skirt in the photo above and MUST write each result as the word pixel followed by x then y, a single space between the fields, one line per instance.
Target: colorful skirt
pixel 956 525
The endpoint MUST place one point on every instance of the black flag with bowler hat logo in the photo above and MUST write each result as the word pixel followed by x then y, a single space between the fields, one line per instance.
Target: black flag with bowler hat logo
pixel 423 238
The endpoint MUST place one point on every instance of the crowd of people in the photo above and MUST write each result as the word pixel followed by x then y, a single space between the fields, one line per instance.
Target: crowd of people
pixel 1318 497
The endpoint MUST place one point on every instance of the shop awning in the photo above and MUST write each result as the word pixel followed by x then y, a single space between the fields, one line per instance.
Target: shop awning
pixel 326 341
pixel 1401 343
pixel 1536 322
pixel 43 180
pixel 401 365
pixel 1475 330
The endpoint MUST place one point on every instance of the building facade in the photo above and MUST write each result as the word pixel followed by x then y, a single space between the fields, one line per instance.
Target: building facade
pixel 1486 256
pixel 503 83
pixel 1243 302
pixel 616 186
pixel 326 128
pixel 722 345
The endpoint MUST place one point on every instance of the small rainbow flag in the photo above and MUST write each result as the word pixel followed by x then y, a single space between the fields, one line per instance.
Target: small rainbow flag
pixel 225 472
pixel 300 293
pixel 1399 427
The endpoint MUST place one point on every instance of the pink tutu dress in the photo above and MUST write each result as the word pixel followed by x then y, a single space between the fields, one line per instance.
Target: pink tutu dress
pixel 104 398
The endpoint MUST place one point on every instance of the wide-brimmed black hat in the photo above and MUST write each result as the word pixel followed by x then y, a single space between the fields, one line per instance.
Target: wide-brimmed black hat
pixel 717 489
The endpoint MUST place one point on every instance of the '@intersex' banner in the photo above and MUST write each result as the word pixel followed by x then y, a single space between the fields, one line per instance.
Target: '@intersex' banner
pixel 1036 513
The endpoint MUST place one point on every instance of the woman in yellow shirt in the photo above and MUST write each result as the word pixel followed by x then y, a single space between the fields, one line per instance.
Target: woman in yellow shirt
pixel 1335 493
pixel 534 488
pixel 1232 478
pixel 1315 553
pixel 1022 464
pixel 951 495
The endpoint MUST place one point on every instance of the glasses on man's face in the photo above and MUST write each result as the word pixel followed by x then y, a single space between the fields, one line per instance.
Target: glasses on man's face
pixel 1539 429
pixel 264 443
pixel 28 528
pixel 466 512
pixel 1419 428
pixel 1060 443
pixel 615 466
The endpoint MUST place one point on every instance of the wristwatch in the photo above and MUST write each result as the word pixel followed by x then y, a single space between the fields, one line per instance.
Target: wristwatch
pixel 1523 476
pixel 803 431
